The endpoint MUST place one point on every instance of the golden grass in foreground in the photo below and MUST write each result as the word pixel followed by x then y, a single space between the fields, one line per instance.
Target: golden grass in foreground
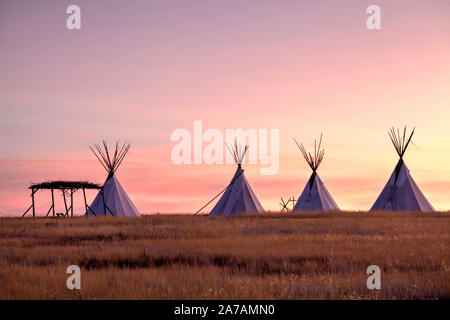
pixel 306 256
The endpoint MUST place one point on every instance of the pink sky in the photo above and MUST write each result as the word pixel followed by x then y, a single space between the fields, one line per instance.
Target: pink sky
pixel 138 70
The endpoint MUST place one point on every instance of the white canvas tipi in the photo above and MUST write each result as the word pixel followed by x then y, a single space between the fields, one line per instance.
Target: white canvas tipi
pixel 315 196
pixel 238 197
pixel 115 200
pixel 401 193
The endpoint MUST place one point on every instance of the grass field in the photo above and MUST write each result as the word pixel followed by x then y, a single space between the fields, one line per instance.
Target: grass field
pixel 306 256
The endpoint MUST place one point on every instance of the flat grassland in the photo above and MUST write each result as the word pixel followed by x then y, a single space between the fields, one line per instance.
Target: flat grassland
pixel 275 256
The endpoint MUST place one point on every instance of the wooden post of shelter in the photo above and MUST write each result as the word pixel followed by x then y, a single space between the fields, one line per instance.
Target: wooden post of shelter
pixel 85 203
pixel 71 202
pixel 65 202
pixel 31 206
pixel 53 203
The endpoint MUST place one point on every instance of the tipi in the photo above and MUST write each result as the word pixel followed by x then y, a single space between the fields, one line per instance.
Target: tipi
pixel 116 201
pixel 401 193
pixel 238 197
pixel 315 197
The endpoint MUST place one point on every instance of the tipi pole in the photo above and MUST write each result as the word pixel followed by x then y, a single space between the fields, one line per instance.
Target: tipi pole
pixel 89 208
pixel 110 211
pixel 32 201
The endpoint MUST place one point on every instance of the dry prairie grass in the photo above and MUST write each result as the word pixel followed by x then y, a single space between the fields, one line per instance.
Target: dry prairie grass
pixel 306 256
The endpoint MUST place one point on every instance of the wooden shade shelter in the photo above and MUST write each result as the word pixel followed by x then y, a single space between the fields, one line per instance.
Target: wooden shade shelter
pixel 67 188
